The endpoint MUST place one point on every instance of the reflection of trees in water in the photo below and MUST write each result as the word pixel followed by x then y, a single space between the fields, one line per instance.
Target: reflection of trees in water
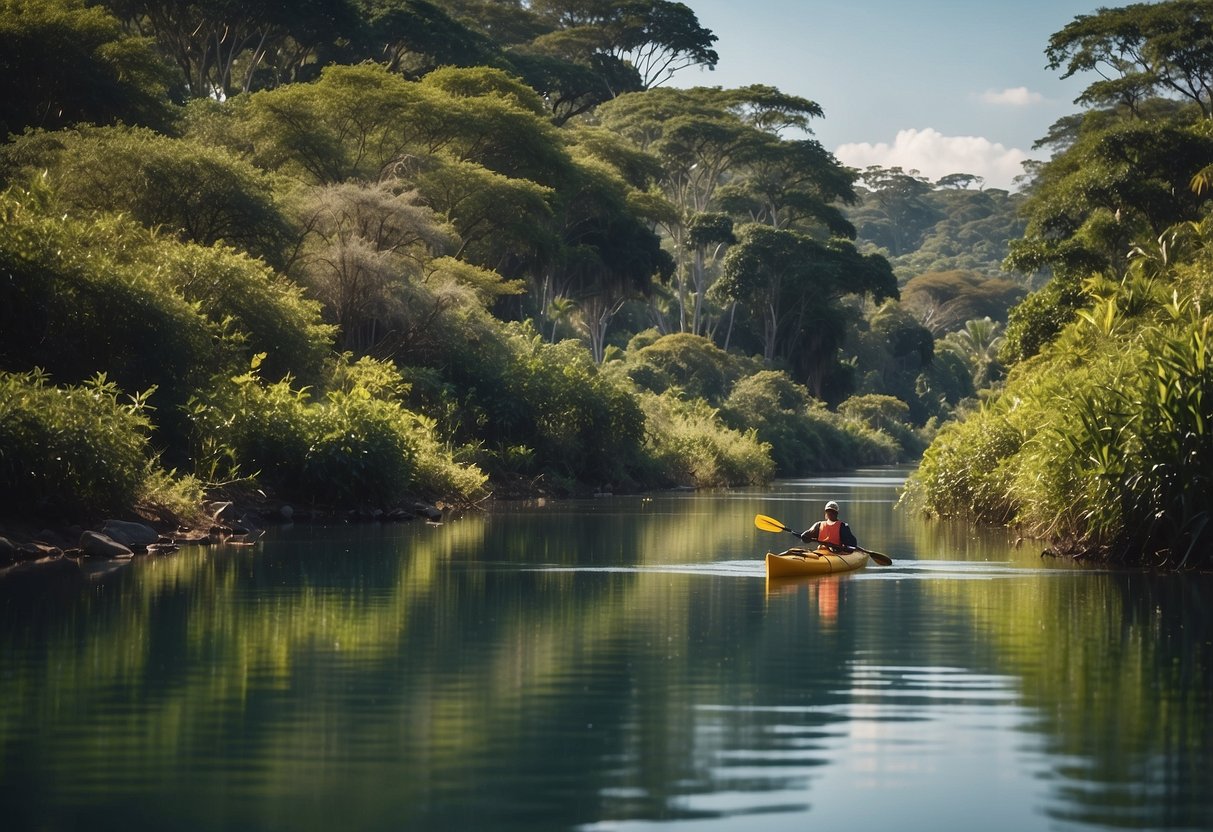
pixel 1122 666
pixel 519 652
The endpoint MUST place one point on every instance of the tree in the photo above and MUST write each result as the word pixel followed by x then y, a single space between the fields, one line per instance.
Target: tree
pixel 1119 183
pixel 903 211
pixel 363 251
pixel 1140 51
pixel 960 181
pixel 954 229
pixel 656 38
pixel 62 63
pixel 414 37
pixel 659 38
pixel 789 282
pixel 893 350
pixel 790 184
pixel 708 235
pixel 978 344
pixel 223 47
pixel 943 301
pixel 187 187
pixel 701 136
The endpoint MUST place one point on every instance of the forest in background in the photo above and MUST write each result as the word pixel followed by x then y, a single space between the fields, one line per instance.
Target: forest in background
pixel 355 250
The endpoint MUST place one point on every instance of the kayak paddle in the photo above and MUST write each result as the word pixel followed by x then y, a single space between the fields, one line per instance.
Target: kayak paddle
pixel 770 524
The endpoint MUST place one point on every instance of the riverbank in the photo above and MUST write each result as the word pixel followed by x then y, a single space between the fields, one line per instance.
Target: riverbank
pixel 226 518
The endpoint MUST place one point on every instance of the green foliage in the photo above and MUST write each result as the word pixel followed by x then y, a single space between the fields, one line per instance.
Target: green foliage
pixel 892 350
pixel 70 452
pixel 186 187
pixel 804 437
pixel 1038 319
pixel 1121 180
pixel 792 284
pixel 978 345
pixel 691 447
pixel 72 304
pixel 258 310
pixel 964 472
pixel 961 230
pixel 64 62
pixel 895 212
pixel 107 296
pixel 1129 471
pixel 888 416
pixel 688 364
pixel 1102 442
pixel 540 409
pixel 352 447
pixel 347 449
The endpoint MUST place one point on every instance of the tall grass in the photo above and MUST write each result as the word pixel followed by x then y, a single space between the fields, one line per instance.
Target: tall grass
pixel 1103 443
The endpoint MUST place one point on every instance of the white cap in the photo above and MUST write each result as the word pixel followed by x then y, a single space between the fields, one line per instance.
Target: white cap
pixel 831 505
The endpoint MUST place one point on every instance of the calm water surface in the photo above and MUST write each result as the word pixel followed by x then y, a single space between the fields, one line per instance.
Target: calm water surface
pixel 620 664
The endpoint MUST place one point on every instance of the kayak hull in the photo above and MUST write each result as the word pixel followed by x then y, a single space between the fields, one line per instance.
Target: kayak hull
pixel 796 563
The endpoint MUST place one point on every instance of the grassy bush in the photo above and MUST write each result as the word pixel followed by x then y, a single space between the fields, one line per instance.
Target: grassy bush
pixel 692 447
pixel 965 471
pixel 187 188
pixel 69 452
pixel 73 304
pixel 542 410
pixel 1129 469
pixel 344 450
pixel 354 446
pixel 259 310
pixel 889 416
pixel 688 363
pixel 1100 443
pixel 803 436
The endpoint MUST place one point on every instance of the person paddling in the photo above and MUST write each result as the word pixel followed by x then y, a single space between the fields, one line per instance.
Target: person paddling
pixel 831 531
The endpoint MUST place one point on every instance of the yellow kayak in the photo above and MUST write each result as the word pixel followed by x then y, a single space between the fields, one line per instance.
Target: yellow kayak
pixel 821 561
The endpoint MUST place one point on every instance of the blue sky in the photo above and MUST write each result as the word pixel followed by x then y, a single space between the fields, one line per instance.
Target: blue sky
pixel 943 86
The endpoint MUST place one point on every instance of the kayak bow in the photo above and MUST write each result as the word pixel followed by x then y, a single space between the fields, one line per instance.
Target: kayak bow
pixel 799 562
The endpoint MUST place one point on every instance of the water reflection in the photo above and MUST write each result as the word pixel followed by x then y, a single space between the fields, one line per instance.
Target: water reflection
pixel 618 664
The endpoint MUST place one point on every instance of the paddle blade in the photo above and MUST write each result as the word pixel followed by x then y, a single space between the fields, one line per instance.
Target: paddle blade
pixel 883 560
pixel 769 524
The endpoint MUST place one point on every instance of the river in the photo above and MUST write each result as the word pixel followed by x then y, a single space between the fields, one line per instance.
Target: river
pixel 614 664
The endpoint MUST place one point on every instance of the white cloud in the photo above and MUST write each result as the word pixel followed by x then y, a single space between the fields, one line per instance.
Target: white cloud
pixel 935 155
pixel 1013 97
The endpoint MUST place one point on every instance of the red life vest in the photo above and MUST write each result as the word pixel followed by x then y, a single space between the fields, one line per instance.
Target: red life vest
pixel 830 531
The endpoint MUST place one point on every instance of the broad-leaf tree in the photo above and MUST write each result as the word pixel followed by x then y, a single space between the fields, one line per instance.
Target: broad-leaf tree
pixel 62 63
pixel 702 136
pixel 223 47
pixel 790 283
pixel 187 187
pixel 1140 51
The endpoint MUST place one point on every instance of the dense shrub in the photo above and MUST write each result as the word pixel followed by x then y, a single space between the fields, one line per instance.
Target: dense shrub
pixel 190 189
pixel 1101 443
pixel 69 451
pixel 72 304
pixel 887 415
pixel 259 310
pixel 688 363
pixel 804 437
pixel 692 447
pixel 543 410
pixel 964 473
pixel 341 451
pixel 356 445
